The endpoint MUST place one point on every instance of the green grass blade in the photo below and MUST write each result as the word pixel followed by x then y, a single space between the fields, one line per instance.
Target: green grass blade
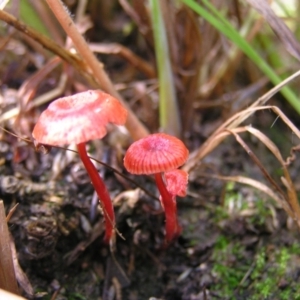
pixel 168 109
pixel 215 18
pixel 31 18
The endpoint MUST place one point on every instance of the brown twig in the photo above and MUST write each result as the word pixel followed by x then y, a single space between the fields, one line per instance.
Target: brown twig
pixel 11 212
pixel 47 43
pixel 120 50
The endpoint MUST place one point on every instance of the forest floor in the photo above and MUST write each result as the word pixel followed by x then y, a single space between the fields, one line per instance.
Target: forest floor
pixel 235 244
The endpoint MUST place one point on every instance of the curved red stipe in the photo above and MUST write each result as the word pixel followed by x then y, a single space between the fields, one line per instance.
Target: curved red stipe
pixel 168 200
pixel 101 191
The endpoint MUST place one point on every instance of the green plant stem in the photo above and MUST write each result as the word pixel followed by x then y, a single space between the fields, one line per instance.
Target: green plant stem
pixel 168 109
pixel 31 18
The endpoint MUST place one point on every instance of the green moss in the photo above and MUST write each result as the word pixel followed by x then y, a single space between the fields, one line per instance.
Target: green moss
pixel 268 273
pixel 219 214
pixel 76 296
pixel 226 268
pixel 269 270
pixel 295 248
pixel 269 276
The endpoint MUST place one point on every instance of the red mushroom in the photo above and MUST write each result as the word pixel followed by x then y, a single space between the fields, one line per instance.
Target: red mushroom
pixel 155 154
pixel 78 119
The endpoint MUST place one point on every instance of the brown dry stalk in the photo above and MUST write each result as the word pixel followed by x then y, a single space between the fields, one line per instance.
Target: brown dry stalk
pixel 21 276
pixel 40 100
pixel 11 212
pixel 8 280
pixel 291 201
pixel 291 197
pixel 292 156
pixel 256 160
pixel 28 88
pixel 125 53
pixel 47 43
pixel 236 120
pixel 251 182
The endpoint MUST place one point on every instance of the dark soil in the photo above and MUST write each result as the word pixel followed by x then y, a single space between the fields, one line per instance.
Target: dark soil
pixel 235 242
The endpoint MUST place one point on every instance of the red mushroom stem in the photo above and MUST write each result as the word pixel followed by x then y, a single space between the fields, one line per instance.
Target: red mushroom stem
pixel 101 191
pixel 169 204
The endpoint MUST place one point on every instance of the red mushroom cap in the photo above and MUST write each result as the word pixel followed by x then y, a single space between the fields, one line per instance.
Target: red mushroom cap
pixel 78 118
pixel 177 181
pixel 155 153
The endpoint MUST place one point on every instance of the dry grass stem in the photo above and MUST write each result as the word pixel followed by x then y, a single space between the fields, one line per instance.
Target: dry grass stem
pixel 251 182
pixel 42 99
pixel 291 196
pixel 47 43
pixel 21 276
pixel 127 54
pixel 255 159
pixel 214 140
pixel 11 212
pixel 8 280
pixel 290 202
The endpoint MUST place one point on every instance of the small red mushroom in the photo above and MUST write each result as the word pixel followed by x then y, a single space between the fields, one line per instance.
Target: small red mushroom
pixel 78 119
pixel 156 154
